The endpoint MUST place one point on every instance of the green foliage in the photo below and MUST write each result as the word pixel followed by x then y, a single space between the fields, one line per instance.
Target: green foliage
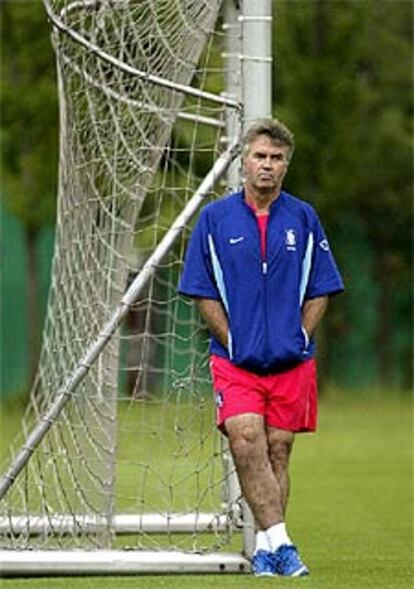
pixel 342 82
pixel 30 115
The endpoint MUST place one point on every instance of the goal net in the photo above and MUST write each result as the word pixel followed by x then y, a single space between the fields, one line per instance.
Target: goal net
pixel 118 447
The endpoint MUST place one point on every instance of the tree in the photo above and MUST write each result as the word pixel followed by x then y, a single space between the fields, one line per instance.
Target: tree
pixel 29 134
pixel 343 81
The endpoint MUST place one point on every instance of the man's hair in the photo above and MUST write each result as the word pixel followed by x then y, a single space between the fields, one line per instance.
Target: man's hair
pixel 278 133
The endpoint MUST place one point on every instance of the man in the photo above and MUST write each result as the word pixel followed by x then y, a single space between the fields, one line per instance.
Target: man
pixel 260 269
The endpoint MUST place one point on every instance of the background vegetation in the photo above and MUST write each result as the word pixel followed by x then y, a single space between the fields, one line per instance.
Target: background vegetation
pixel 343 82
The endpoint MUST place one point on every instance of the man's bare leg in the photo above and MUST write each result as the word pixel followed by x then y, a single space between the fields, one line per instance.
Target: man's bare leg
pixel 261 488
pixel 261 456
pixel 280 443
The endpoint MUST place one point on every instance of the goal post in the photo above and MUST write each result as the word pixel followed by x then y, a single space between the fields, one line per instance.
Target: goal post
pixel 119 467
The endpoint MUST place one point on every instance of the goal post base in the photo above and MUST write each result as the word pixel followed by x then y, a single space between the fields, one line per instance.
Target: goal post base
pixel 27 563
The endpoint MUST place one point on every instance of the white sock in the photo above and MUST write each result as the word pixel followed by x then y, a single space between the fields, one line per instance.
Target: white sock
pixel 262 541
pixel 277 535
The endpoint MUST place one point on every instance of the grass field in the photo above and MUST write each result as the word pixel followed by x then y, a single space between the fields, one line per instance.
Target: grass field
pixel 351 507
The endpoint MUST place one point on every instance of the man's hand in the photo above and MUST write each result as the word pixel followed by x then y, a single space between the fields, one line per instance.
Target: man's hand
pixel 312 312
pixel 215 317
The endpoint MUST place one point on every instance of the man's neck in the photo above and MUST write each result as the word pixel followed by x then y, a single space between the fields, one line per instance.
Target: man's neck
pixel 261 201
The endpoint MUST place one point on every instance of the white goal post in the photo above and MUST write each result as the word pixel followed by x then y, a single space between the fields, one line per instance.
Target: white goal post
pixel 119 468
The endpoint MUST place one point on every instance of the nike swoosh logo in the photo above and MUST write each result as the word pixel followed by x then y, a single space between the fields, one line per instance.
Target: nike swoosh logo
pixel 234 240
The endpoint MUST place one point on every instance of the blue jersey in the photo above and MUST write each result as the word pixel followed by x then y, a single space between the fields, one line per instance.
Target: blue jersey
pixel 262 295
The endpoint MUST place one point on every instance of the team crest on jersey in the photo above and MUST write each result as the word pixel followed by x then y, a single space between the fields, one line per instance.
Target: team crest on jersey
pixel 290 240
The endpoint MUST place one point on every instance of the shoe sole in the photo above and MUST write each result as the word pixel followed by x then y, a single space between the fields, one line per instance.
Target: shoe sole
pixel 302 572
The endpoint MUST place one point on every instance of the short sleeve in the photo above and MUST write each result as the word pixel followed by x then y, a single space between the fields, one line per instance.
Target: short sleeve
pixel 324 277
pixel 197 278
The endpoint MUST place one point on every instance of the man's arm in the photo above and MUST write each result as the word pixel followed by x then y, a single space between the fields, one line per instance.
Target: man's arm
pixel 312 312
pixel 213 313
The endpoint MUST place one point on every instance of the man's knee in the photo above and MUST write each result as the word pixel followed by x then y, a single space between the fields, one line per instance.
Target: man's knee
pixel 280 445
pixel 247 437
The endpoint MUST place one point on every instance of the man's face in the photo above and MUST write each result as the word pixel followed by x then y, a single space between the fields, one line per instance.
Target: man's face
pixel 265 165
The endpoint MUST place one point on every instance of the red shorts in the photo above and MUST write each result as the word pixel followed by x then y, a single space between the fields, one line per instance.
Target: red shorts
pixel 287 400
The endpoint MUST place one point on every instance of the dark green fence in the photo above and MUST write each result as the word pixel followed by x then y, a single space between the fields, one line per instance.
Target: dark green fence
pixel 14 316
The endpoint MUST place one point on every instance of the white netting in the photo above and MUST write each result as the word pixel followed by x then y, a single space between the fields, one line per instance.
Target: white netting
pixel 138 435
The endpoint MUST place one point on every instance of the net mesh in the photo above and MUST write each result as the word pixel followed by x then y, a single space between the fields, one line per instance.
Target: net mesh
pixel 138 435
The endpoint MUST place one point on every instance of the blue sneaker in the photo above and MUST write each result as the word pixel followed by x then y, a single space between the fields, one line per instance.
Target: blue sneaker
pixel 287 562
pixel 263 564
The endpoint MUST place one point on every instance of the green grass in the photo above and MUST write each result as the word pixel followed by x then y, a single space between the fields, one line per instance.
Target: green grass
pixel 350 510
